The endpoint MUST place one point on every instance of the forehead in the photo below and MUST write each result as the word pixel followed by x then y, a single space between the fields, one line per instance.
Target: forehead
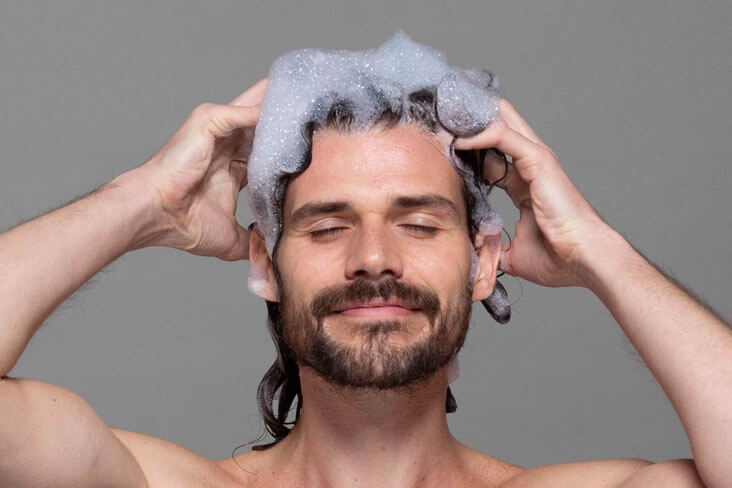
pixel 370 169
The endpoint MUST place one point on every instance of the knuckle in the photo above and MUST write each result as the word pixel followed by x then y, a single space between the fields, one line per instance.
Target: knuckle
pixel 505 104
pixel 499 129
pixel 204 110
pixel 546 153
pixel 210 117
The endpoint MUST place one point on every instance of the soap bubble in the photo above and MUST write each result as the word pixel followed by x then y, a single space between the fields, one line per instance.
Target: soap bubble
pixel 306 84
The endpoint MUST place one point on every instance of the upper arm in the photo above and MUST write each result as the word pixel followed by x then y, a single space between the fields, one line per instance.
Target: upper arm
pixel 51 437
pixel 676 473
pixel 166 463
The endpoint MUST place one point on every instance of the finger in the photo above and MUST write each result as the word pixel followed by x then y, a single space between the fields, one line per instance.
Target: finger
pixel 512 118
pixel 504 260
pixel 498 170
pixel 253 96
pixel 238 172
pixel 221 120
pixel 246 143
pixel 527 231
pixel 529 158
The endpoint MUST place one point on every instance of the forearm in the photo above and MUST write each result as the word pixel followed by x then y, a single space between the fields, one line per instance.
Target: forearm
pixel 45 260
pixel 687 348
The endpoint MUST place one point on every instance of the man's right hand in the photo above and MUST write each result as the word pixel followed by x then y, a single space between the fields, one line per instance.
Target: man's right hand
pixel 50 436
pixel 196 177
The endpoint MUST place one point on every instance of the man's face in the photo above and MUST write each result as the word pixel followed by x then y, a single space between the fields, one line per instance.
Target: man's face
pixel 374 260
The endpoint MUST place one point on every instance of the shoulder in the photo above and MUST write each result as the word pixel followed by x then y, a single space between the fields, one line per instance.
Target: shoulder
pixel 611 473
pixel 257 468
pixel 166 463
pixel 487 470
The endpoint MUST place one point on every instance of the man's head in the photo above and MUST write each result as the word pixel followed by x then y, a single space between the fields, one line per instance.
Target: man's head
pixel 378 217
pixel 360 200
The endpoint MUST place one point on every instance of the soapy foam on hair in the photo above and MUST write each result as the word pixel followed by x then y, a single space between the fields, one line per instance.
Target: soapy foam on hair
pixel 304 84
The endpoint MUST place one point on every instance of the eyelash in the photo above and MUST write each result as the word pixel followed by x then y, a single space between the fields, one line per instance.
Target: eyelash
pixel 334 230
pixel 422 228
pixel 326 232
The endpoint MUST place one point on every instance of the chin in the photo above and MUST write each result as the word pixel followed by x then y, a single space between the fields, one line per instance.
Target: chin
pixel 356 330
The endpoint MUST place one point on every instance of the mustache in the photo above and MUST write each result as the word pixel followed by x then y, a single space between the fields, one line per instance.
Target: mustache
pixel 327 300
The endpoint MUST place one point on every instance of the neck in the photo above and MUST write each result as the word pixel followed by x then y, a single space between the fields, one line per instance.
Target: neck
pixel 369 437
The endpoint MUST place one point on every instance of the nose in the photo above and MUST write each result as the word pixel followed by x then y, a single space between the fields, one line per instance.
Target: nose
pixel 374 254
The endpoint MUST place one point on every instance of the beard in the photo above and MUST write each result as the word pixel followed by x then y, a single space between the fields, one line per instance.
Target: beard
pixel 375 361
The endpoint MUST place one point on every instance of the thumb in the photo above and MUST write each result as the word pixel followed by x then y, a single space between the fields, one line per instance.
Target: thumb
pixel 221 120
pixel 238 170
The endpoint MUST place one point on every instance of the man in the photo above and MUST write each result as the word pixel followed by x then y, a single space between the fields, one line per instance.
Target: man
pixel 390 228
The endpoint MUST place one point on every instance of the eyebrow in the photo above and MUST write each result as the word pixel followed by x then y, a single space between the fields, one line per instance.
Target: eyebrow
pixel 310 210
pixel 431 200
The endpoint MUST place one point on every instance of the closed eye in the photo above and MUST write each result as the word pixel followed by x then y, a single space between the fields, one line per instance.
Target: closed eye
pixel 326 232
pixel 421 228
pixel 335 230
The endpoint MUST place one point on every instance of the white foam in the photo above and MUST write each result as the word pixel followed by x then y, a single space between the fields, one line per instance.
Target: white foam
pixel 305 83
pixel 490 223
pixel 255 285
pixel 453 369
pixel 256 281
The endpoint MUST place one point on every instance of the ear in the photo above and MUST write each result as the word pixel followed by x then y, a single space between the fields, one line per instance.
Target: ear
pixel 261 280
pixel 488 249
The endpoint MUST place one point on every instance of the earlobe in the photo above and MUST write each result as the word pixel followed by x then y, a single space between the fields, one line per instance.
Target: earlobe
pixel 261 279
pixel 488 249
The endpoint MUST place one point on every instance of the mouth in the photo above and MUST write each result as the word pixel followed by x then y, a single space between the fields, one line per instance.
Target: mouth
pixel 377 309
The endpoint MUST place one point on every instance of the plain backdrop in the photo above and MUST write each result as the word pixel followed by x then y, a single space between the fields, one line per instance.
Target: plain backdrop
pixel 634 97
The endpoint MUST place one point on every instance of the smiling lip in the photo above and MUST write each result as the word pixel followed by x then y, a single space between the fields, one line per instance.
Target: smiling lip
pixel 377 310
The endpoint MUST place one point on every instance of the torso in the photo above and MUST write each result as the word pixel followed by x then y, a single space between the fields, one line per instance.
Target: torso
pixel 166 464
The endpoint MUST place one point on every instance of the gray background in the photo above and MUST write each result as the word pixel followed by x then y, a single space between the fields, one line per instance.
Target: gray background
pixel 635 100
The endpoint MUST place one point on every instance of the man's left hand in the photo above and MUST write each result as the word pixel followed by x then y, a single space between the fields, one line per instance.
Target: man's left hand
pixel 557 225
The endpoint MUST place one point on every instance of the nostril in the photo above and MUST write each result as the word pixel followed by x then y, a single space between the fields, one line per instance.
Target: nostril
pixel 365 273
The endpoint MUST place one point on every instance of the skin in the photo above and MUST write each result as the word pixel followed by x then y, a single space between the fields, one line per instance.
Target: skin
pixel 185 196
pixel 427 246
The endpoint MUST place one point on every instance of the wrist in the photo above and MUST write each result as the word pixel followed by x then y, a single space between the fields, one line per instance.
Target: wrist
pixel 606 256
pixel 134 193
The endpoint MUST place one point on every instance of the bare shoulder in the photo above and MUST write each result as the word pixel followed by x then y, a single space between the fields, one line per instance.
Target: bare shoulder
pixel 610 473
pixel 487 470
pixel 250 469
pixel 166 464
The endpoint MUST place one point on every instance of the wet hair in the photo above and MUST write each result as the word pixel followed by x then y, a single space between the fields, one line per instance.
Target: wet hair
pixel 282 380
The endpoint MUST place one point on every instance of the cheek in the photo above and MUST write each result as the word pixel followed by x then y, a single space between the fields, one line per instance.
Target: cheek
pixel 304 270
pixel 445 268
